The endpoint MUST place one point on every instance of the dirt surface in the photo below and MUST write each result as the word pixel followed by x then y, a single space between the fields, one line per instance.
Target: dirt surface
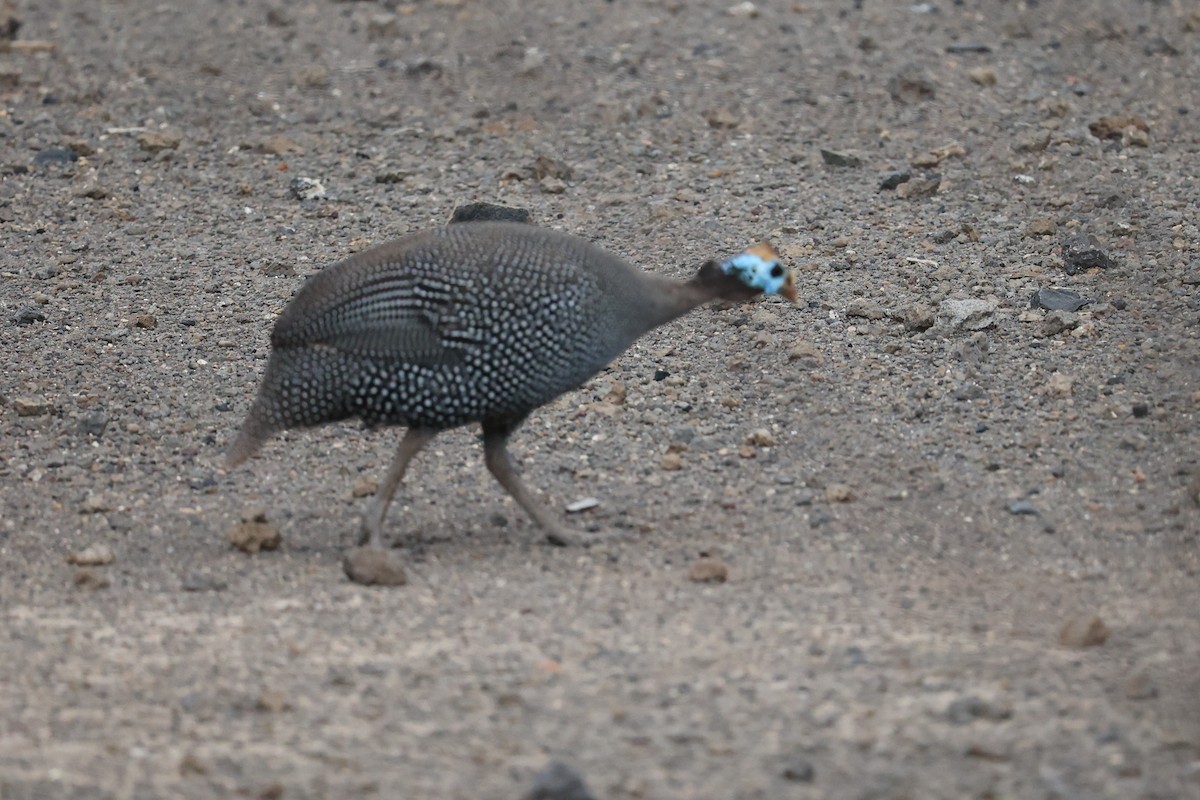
pixel 950 548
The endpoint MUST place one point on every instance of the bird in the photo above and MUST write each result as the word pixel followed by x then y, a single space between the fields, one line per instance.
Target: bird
pixel 475 322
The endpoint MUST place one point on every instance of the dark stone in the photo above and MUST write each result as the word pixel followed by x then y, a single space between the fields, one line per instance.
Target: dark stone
pixel 894 179
pixel 968 47
pixel 1057 300
pixel 833 158
pixel 911 85
pixel 27 315
pixel 203 582
pixel 55 156
pixel 559 781
pixel 966 709
pixel 799 770
pixel 1141 410
pixel 1084 251
pixel 93 424
pixel 661 374
pixel 967 391
pixel 490 212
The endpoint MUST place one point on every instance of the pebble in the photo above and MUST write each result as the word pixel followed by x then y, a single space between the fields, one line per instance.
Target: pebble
pixel 865 309
pixel 761 437
pixel 1057 300
pixel 834 158
pixel 708 570
pixel 583 504
pixel 917 317
pixel 984 76
pixel 93 423
pixel 1083 631
pixel 254 533
pixel 478 212
pixel 307 188
pixel 972 314
pixel 971 707
pixel 372 566
pixel 158 141
pixel 672 462
pixel 911 85
pixel 915 190
pixel 1056 322
pixel 96 555
pixel 1022 508
pixel 746 9
pixel 893 179
pixel 55 157
pixel 722 118
pixel 799 770
pixel 365 486
pixel 280 145
pixel 29 314
pixel 1083 251
pixel 559 781
pixel 1114 127
pixel 839 493
pixel 90 579
pixel 94 504
pixel 1041 226
pixel 1140 410
pixel 198 581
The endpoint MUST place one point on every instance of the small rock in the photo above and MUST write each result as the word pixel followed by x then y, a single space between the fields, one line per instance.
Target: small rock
pixel 1083 251
pixel 93 423
pixel 1140 687
pixel 1033 143
pixel 90 579
pixel 372 566
pixel 1057 300
pixel 839 493
pixel 1194 488
pixel 1022 508
pixel 672 462
pixel 365 486
pixel 708 570
pixel 865 309
pixel 1140 410
pixel 984 76
pixel 893 179
pixel 911 85
pixel 559 781
pixel 254 533
pixel 915 190
pixel 722 118
pixel 1084 631
pixel 29 314
pixel 197 581
pixel 917 317
pixel 55 157
pixel 1042 226
pixel 834 158
pixel 479 212
pixel 806 351
pixel 746 9
pixel 1059 385
pixel 158 141
pixel 582 504
pixel 280 145
pixel 971 314
pixel 94 504
pixel 145 321
pixel 761 437
pixel 1058 321
pixel 1114 127
pixel 96 555
pixel 313 76
pixel 967 391
pixel 307 188
pixel 799 770
pixel 967 709
pixel 551 185
pixel 382 26
pixel 547 167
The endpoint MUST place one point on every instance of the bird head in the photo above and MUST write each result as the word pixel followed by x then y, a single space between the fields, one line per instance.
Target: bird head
pixel 760 268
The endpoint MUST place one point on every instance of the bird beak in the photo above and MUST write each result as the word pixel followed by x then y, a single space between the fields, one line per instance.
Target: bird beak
pixel 789 288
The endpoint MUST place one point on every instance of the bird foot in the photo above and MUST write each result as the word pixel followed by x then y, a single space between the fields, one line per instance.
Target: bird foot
pixel 374 566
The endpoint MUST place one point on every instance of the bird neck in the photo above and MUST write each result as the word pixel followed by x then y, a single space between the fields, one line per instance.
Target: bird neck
pixel 667 300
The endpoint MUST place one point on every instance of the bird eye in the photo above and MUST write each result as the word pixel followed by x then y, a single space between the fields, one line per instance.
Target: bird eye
pixel 777 271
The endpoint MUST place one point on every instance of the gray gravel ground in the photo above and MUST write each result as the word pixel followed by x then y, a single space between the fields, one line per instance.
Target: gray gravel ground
pixel 961 539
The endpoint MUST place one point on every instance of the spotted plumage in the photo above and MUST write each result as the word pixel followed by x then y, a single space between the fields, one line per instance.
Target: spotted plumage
pixel 475 322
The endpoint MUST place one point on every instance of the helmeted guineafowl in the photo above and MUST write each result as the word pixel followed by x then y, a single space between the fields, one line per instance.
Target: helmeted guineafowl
pixel 475 322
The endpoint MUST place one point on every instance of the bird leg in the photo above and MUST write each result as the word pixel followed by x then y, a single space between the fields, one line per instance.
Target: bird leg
pixel 371 532
pixel 499 463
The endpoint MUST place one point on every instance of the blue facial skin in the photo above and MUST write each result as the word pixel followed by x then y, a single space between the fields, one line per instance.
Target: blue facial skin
pixel 756 272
